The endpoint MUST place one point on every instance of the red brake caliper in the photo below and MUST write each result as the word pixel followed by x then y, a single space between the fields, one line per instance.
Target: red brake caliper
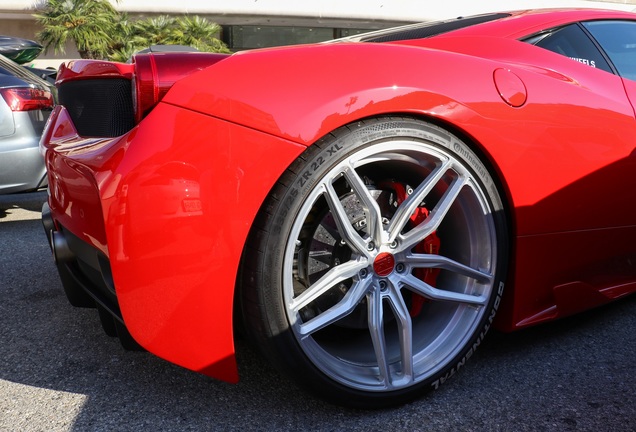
pixel 430 245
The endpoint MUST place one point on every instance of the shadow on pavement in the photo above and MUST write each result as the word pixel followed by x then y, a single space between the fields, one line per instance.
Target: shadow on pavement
pixel 31 202
pixel 59 371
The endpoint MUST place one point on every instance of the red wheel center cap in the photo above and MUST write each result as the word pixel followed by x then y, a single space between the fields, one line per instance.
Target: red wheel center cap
pixel 383 264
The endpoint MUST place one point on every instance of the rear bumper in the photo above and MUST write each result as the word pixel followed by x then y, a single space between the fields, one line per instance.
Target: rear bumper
pixel 152 225
pixel 84 269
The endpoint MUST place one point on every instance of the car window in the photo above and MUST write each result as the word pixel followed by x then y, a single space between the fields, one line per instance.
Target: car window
pixel 573 42
pixel 9 68
pixel 618 39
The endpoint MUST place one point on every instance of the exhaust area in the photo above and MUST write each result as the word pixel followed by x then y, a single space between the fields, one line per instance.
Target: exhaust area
pixel 59 246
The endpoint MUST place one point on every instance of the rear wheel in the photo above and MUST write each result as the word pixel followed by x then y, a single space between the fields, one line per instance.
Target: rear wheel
pixel 376 265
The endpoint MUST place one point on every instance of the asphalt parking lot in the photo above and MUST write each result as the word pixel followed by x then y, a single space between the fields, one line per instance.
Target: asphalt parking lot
pixel 60 372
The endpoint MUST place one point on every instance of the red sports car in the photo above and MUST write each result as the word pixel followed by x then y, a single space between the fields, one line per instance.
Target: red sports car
pixel 362 208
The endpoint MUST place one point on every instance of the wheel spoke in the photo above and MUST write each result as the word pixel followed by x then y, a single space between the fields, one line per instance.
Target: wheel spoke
pixel 405 327
pixel 426 228
pixel 369 204
pixel 343 308
pixel 433 293
pixel 334 276
pixel 346 230
pixel 406 209
pixel 376 328
pixel 437 261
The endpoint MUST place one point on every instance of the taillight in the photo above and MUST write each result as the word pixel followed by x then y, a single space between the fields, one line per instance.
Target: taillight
pixel 27 99
pixel 155 74
pixel 145 86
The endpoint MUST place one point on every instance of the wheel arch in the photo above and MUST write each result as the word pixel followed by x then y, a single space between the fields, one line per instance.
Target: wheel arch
pixel 481 149
pixel 478 147
pixel 271 331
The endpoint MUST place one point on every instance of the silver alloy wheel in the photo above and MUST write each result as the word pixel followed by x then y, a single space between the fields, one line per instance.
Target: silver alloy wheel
pixel 351 262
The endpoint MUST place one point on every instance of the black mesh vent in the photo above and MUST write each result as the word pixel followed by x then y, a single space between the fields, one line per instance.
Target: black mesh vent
pixel 429 30
pixel 99 107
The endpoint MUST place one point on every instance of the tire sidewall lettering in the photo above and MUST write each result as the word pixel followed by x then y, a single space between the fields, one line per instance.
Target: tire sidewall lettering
pixel 473 347
pixel 300 181
pixel 306 179
pixel 428 134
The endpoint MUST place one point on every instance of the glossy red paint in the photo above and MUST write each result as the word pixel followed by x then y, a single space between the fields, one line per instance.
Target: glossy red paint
pixel 510 87
pixel 555 120
pixel 566 132
pixel 135 204
pixel 155 74
pixel 204 245
pixel 89 69
pixel 156 200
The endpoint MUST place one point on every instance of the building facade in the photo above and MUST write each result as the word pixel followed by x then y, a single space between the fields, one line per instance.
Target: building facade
pixel 250 24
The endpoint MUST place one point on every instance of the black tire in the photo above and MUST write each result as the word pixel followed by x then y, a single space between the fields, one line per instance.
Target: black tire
pixel 377 263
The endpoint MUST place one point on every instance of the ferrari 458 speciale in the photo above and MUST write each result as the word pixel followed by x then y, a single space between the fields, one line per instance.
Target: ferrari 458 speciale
pixel 365 209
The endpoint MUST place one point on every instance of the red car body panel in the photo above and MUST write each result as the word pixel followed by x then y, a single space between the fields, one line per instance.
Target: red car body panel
pixel 171 202
pixel 163 210
pixel 537 141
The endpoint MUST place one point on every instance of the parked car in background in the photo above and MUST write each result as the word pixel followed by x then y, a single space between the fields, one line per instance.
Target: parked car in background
pixel 25 105
pixel 24 51
pixel 19 50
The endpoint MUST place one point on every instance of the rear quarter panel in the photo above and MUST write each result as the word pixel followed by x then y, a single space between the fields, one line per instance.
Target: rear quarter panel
pixel 568 129
pixel 564 160
pixel 178 208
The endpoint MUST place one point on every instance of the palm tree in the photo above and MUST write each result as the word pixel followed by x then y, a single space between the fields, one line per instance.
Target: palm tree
pixel 193 31
pixel 153 31
pixel 122 40
pixel 198 33
pixel 88 23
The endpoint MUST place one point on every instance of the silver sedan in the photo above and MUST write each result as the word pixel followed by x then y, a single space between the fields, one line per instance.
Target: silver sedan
pixel 25 104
